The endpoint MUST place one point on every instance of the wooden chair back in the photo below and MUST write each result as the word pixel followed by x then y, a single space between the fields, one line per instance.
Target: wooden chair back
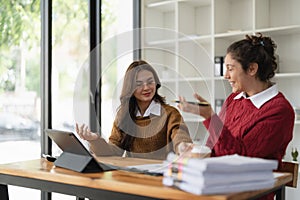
pixel 291 167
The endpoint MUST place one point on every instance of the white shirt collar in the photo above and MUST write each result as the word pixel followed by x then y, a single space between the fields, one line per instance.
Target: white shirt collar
pixel 154 108
pixel 260 98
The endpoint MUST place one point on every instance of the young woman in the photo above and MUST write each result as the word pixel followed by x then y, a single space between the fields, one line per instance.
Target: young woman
pixel 256 119
pixel 145 126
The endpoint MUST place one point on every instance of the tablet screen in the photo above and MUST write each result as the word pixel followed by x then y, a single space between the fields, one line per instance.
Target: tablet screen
pixel 67 142
pixel 75 156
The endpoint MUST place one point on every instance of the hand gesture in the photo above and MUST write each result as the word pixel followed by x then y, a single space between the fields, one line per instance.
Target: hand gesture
pixel 85 133
pixel 204 111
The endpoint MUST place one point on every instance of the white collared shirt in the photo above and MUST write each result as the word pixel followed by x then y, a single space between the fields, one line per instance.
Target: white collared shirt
pixel 154 108
pixel 260 98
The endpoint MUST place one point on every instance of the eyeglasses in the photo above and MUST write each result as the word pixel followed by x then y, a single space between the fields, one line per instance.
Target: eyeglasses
pixel 149 83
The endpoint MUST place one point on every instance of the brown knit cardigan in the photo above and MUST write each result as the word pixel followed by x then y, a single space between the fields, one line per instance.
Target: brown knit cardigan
pixel 155 136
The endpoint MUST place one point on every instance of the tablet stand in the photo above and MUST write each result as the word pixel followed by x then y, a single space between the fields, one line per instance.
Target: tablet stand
pixel 79 163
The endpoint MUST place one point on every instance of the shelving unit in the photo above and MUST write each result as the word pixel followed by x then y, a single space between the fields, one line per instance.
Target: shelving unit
pixel 182 37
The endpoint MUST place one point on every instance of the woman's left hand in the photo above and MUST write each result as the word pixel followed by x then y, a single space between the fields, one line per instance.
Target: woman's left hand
pixel 185 148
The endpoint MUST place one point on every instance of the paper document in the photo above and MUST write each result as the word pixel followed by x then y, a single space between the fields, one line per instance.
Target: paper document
pixel 155 169
pixel 219 189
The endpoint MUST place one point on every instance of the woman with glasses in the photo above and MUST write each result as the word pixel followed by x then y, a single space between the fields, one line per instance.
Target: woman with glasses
pixel 145 126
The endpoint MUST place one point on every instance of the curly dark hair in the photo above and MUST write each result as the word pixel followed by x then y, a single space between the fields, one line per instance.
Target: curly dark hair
pixel 256 49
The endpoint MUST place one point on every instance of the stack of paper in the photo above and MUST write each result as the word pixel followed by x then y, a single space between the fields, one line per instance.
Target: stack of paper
pixel 225 174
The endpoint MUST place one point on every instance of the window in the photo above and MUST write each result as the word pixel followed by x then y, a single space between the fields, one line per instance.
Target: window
pixel 70 53
pixel 70 50
pixel 20 85
pixel 117 54
pixel 20 64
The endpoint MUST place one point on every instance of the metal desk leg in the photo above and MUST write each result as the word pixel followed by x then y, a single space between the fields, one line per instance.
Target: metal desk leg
pixel 280 193
pixel 4 192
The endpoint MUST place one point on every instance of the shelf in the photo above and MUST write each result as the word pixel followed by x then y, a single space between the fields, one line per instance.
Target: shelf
pixel 198 38
pixel 219 78
pixel 190 79
pixel 165 43
pixel 286 75
pixel 282 30
pixel 277 75
pixel 164 6
pixel 234 34
pixel 213 25
pixel 196 3
pixel 186 38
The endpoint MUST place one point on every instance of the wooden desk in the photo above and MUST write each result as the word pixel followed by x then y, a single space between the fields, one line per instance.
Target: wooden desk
pixel 43 175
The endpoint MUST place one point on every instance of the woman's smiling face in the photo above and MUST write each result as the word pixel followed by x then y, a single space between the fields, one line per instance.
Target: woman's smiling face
pixel 236 76
pixel 145 86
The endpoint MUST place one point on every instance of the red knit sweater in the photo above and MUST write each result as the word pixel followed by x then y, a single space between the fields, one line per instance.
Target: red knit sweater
pixel 243 129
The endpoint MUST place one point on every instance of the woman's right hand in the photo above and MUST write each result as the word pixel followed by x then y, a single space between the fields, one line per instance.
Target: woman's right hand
pixel 85 133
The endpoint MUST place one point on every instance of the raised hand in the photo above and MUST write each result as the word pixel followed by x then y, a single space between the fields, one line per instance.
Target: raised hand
pixel 204 111
pixel 85 133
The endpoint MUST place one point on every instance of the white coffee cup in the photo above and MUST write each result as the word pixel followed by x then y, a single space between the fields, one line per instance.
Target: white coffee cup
pixel 200 151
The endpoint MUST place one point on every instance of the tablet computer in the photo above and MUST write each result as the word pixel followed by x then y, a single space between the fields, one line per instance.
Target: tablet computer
pixel 75 155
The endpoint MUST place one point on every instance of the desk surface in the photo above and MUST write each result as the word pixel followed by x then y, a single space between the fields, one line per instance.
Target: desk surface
pixel 113 181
